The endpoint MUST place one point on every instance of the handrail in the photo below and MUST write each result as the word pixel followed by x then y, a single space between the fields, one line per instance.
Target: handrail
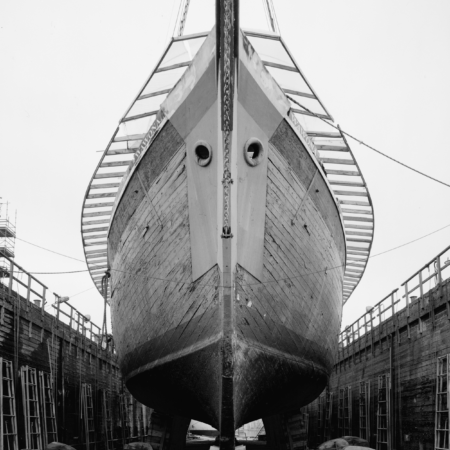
pixel 392 303
pixel 77 320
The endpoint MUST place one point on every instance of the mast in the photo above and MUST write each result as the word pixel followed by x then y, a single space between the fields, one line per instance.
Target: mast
pixel 227 26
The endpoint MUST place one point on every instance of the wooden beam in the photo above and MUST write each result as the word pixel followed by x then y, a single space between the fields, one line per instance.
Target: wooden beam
pixel 358 219
pixel 329 134
pixel 280 66
pixel 358 249
pixel 358 227
pixel 354 202
pixel 98 205
pixel 95 222
pixel 332 148
pixel 358 272
pixel 104 186
pixel 92 252
pixel 352 239
pixel 109 175
pixel 131 137
pixel 347 183
pixel 357 260
pixel 356 253
pixel 348 173
pixel 95 236
pixel 91 230
pixel 97 214
pixel 300 94
pixel 307 113
pixel 121 151
pixel 91 244
pixel 353 264
pixel 351 193
pixel 154 94
pixel 357 233
pixel 348 162
pixel 139 116
pixel 172 67
pixel 117 163
pixel 107 195
pixel 357 211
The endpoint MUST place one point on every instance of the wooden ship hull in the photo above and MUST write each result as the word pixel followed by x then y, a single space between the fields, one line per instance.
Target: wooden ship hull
pixel 207 324
pixel 226 246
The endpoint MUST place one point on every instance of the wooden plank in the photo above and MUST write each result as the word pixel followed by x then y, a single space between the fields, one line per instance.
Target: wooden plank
pixel 280 66
pixel 92 252
pixel 332 134
pixel 154 94
pixel 117 163
pixel 358 219
pixel 332 148
pixel 98 205
pixel 121 151
pixel 300 94
pixel 352 239
pixel 95 236
pixel 107 195
pixel 131 137
pixel 307 113
pixel 97 214
pixel 348 162
pixel 355 252
pixel 173 66
pixel 95 222
pixel 354 202
pixel 358 233
pixel 91 230
pixel 358 260
pixel 109 175
pixel 357 272
pixel 357 211
pixel 140 116
pixel 351 193
pixel 91 244
pixel 347 183
pixel 358 227
pixel 348 173
pixel 104 186
pixel 358 249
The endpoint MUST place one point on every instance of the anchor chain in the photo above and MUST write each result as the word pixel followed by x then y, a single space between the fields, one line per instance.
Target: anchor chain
pixel 227 180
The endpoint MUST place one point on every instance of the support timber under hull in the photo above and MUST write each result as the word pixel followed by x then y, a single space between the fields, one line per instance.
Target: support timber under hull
pixel 245 326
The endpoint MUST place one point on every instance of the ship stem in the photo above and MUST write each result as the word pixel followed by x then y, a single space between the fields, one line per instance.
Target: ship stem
pixel 227 33
pixel 227 423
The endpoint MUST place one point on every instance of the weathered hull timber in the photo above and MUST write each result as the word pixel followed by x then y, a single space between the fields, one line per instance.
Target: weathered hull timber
pixel 188 343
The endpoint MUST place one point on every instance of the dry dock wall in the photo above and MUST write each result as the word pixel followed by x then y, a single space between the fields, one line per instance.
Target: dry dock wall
pixel 403 351
pixel 81 368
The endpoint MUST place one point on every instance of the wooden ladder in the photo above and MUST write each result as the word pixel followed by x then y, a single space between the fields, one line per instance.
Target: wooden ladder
pixel 383 413
pixel 364 410
pixel 87 414
pixel 328 413
pixel 107 419
pixel 8 420
pixel 31 409
pixel 441 427
pixel 50 432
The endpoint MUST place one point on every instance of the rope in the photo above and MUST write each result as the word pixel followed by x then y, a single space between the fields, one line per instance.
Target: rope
pixel 366 145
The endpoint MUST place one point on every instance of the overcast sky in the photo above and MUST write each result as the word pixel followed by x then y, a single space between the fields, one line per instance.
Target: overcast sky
pixel 69 70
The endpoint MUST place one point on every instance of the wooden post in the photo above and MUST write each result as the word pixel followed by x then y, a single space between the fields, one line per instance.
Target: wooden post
pixel 44 289
pixel 11 274
pixel 407 310
pixel 28 292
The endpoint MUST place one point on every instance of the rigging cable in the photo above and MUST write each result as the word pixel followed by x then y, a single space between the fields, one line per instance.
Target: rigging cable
pixel 366 145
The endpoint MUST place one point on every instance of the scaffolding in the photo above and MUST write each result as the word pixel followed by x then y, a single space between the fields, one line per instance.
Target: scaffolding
pixel 7 232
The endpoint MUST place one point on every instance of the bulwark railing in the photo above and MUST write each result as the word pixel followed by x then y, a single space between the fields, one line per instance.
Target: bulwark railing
pixel 412 291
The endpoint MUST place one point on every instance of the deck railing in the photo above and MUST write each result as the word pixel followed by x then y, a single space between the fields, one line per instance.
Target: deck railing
pixel 21 284
pixel 430 276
